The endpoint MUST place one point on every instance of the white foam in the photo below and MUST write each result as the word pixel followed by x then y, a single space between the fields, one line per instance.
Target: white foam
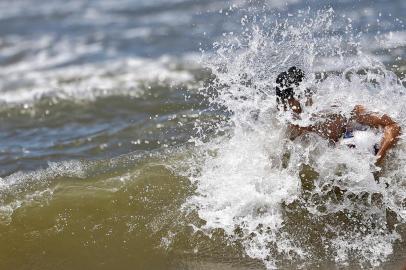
pixel 250 176
pixel 28 82
pixel 390 40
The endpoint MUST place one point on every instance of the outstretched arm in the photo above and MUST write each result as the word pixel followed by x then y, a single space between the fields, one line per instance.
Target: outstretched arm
pixel 391 128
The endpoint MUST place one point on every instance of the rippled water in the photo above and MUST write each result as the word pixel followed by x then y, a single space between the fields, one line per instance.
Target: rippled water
pixel 144 135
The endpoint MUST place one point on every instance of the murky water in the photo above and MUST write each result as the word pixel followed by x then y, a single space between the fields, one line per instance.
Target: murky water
pixel 145 135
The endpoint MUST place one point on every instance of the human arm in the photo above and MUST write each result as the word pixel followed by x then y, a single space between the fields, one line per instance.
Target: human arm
pixel 296 131
pixel 391 129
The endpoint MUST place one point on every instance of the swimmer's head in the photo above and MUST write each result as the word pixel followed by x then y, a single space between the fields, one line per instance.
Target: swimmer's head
pixel 286 82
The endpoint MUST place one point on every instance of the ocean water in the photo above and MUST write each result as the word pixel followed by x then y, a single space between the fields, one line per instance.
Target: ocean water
pixel 145 135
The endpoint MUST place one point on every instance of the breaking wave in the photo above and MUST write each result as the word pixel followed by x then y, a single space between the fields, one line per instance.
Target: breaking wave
pixel 300 200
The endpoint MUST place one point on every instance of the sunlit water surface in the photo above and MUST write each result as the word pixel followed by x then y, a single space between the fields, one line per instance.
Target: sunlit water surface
pixel 145 135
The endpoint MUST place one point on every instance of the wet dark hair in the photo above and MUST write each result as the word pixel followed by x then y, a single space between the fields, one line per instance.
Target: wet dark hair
pixel 286 81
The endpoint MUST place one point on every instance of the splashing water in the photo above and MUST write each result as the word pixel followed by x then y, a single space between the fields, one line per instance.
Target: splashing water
pixel 300 200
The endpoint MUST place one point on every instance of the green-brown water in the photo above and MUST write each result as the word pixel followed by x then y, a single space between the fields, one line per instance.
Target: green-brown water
pixel 128 217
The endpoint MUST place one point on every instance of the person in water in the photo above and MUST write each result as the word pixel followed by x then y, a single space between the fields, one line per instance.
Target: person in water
pixel 334 127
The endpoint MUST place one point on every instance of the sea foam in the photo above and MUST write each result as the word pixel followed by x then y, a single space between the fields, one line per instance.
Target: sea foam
pixel 301 200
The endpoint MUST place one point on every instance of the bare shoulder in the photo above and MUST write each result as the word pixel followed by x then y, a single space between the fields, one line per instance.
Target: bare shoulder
pixel 358 109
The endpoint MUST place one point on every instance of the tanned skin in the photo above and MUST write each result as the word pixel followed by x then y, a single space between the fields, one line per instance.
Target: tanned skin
pixel 335 125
